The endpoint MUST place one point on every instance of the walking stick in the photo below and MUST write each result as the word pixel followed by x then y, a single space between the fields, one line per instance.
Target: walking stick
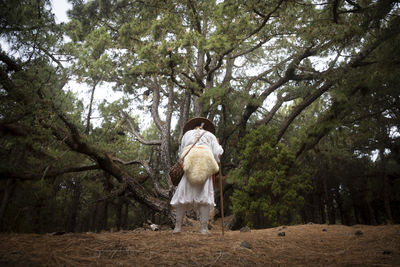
pixel 221 197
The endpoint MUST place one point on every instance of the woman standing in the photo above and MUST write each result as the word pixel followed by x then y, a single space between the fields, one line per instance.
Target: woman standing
pixel 196 188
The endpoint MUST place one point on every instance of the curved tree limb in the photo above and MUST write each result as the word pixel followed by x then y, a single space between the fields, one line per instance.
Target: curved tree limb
pixel 265 20
pixel 105 162
pixel 149 170
pixel 137 135
pixel 289 74
pixel 300 107
pixel 357 61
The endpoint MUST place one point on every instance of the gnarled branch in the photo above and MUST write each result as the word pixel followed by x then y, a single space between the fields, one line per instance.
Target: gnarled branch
pixel 137 135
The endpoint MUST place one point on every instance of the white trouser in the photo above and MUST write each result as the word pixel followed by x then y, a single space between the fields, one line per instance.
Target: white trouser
pixel 179 213
pixel 204 212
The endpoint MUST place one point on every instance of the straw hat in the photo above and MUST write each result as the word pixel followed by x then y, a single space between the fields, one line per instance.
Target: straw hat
pixel 190 124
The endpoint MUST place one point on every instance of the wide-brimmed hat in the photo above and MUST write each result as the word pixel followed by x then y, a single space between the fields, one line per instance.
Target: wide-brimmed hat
pixel 190 124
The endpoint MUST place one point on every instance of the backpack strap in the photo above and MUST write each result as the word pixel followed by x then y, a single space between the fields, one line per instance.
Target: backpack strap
pixel 193 144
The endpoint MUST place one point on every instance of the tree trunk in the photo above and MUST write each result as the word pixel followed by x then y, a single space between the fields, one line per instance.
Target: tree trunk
pixel 319 205
pixel 356 212
pixel 386 187
pixel 165 155
pixel 125 216
pixel 329 202
pixel 386 199
pixel 304 216
pixel 90 108
pixel 339 202
pixel 8 192
pixel 37 210
pixel 104 218
pixel 93 217
pixel 118 221
pixel 184 111
pixel 371 213
pixel 322 211
pixel 85 223
pixel 312 208
pixel 196 106
pixel 74 207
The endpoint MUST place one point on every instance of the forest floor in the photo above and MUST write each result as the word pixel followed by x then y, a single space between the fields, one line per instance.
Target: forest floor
pixel 302 245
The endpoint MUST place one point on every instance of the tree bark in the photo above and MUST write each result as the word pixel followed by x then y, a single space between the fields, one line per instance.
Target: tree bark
pixel 163 126
pixel 185 108
pixel 90 107
pixel 104 216
pixel 93 217
pixel 386 188
pixel 74 207
pixel 196 106
pixel 356 211
pixel 8 192
pixel 339 202
pixel 37 214
pixel 371 213
pixel 125 216
pixel 329 203
pixel 118 221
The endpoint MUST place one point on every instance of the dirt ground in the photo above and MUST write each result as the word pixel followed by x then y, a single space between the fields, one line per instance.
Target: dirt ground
pixel 301 245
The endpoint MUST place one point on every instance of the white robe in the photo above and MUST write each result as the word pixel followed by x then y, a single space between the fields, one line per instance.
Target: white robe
pixel 187 193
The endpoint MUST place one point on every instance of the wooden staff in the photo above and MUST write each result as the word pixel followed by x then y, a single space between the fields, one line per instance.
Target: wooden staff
pixel 221 197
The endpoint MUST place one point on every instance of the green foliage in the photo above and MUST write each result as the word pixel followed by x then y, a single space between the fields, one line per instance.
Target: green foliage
pixel 269 184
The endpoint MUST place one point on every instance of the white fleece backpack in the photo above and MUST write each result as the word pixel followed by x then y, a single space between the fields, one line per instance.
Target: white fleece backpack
pixel 199 164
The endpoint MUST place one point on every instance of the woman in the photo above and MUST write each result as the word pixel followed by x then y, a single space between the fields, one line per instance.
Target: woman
pixel 189 193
